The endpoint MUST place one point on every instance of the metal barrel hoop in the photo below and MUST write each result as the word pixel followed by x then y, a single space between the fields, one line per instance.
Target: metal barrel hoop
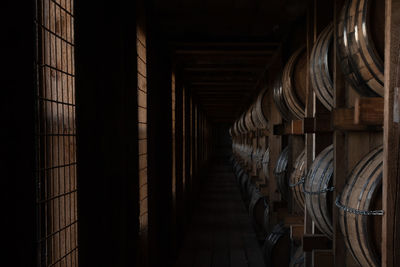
pixel 356 211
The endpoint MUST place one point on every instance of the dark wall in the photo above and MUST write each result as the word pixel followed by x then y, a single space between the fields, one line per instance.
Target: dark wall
pixel 18 203
pixel 223 140
pixel 159 75
pixel 107 133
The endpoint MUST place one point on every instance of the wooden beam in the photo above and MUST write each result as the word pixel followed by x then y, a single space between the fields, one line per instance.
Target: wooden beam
pixel 320 124
pixel 339 144
pixel 297 232
pixel 391 168
pixel 369 111
pixel 293 127
pixel 343 119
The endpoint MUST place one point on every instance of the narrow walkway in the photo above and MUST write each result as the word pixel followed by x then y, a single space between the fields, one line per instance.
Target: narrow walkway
pixel 221 234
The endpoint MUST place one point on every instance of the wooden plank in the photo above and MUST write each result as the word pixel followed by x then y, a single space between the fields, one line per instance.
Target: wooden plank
pixel 293 220
pixel 309 112
pixel 339 142
pixel 343 119
pixel 391 172
pixel 289 128
pixel 368 111
pixel 275 141
pixel 297 232
pixel 311 242
pixel 297 127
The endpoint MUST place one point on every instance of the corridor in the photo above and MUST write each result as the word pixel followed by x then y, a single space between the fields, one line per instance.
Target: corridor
pixel 200 133
pixel 220 233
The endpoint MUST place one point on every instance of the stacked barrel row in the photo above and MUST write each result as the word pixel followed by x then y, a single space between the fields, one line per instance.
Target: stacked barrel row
pixel 360 44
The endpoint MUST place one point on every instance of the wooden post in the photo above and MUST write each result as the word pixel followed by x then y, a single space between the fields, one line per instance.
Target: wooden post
pixel 340 162
pixel 309 112
pixel 391 171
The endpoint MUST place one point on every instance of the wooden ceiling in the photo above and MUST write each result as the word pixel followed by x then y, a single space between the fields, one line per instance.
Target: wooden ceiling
pixel 223 47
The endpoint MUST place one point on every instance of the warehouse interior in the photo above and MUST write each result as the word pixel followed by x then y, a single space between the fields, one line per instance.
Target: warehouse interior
pixel 212 133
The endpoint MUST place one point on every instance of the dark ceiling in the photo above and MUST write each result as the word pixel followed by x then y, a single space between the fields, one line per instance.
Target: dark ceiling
pixel 225 46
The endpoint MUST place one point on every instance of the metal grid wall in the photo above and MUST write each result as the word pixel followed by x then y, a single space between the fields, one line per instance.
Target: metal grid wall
pixel 56 134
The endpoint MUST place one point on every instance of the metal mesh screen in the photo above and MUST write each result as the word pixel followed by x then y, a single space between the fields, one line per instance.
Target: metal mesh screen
pixel 56 135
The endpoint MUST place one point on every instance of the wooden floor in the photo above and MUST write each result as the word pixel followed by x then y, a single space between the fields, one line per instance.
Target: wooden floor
pixel 221 234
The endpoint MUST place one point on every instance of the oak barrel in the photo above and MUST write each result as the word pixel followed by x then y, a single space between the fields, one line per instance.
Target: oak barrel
pixel 277 247
pixel 257 158
pixel 321 67
pixel 243 180
pixel 294 78
pixel 317 190
pixel 280 172
pixel 249 122
pixel 279 100
pixel 297 179
pixel 361 195
pixel 259 211
pixel 265 163
pixel 235 130
pixel 360 41
pixel 261 109
pixel 298 258
pixel 242 125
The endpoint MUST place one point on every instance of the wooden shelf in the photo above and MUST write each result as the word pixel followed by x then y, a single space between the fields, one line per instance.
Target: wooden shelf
pixel 345 119
pixel 289 128
pixel 297 232
pixel 369 111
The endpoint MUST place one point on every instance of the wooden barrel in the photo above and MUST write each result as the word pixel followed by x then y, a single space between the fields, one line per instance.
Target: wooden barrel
pixel 249 155
pixel 249 190
pixel 238 170
pixel 241 124
pixel 298 258
pixel 235 164
pixel 235 129
pixel 294 78
pixel 265 163
pixel 317 190
pixel 279 100
pixel 243 178
pixel 321 67
pixel 280 172
pixel 297 179
pixel 249 122
pixel 242 154
pixel 259 211
pixel 257 158
pixel 361 35
pixel 361 196
pixel 261 109
pixel 277 247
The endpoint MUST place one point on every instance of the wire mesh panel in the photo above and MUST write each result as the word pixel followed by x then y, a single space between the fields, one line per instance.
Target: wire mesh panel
pixel 56 134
